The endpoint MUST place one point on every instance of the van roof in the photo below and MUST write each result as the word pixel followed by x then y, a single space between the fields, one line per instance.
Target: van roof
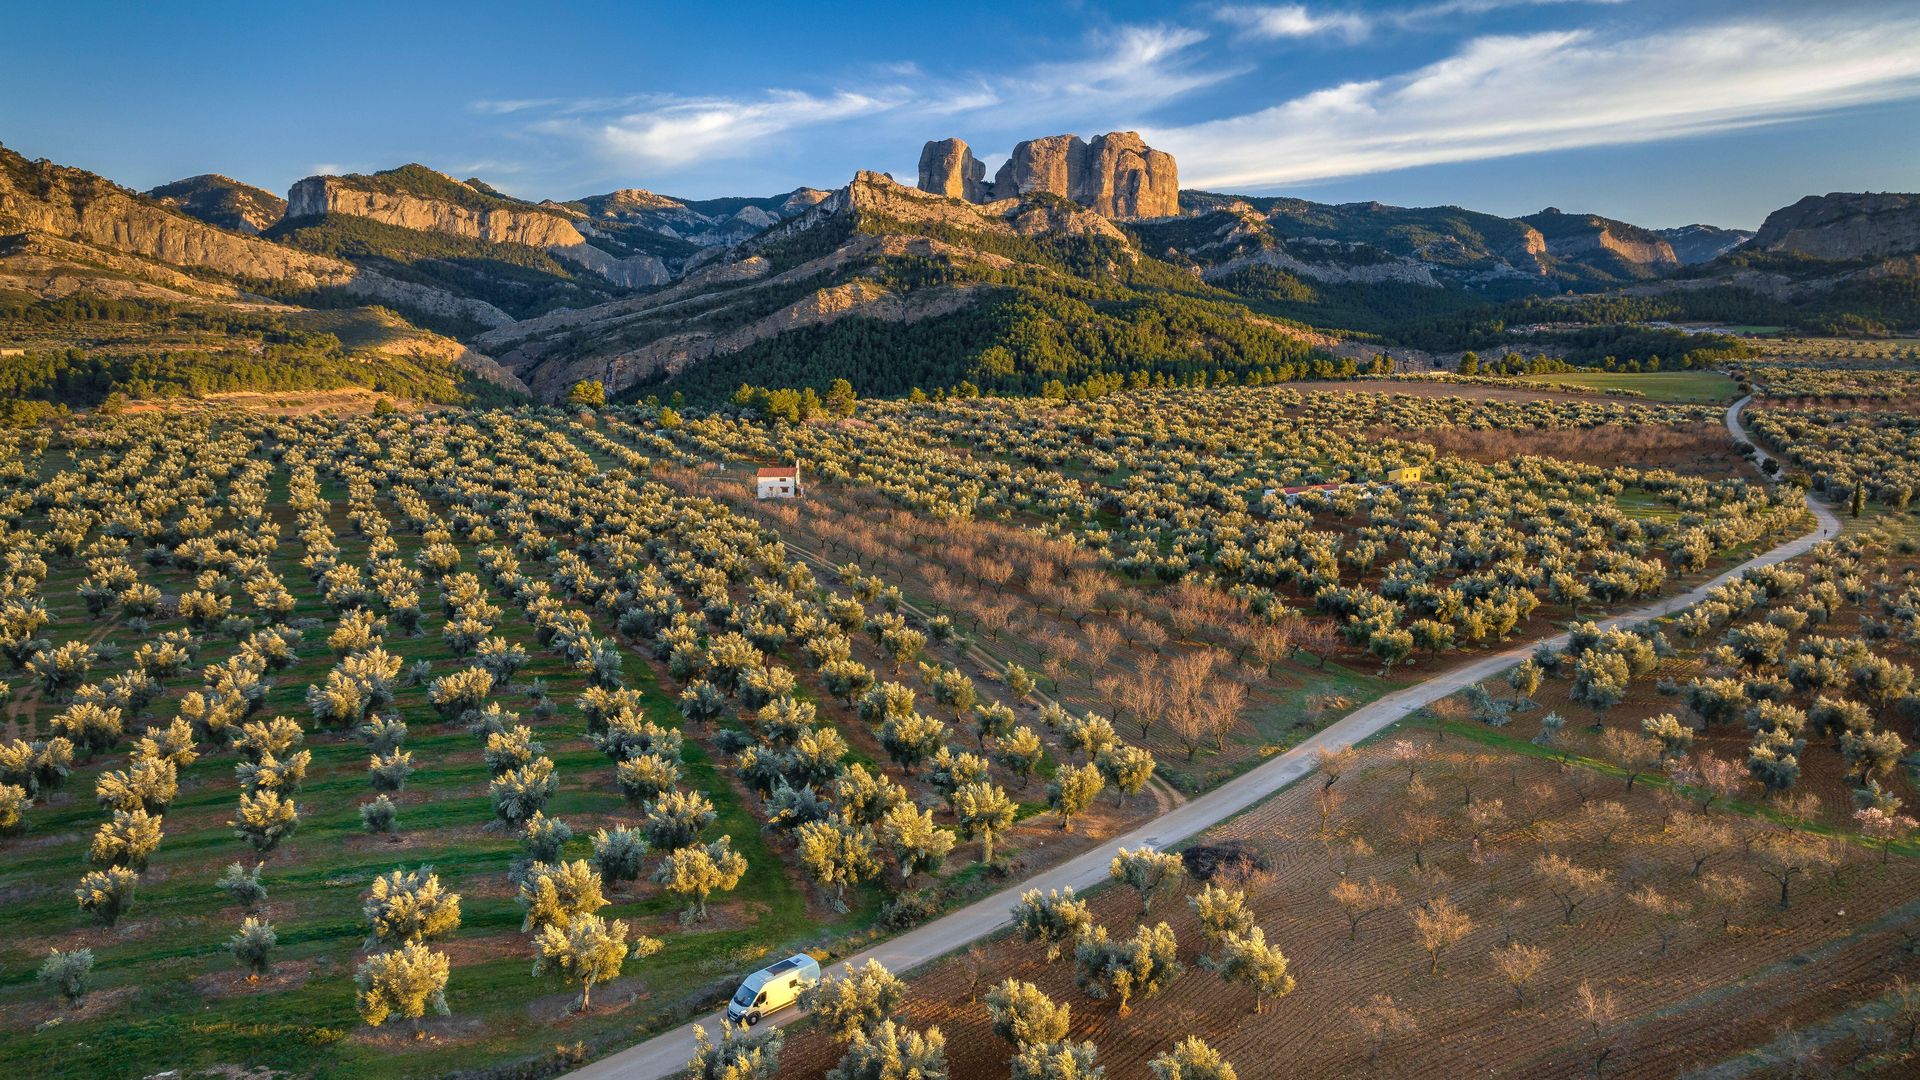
pixel 766 975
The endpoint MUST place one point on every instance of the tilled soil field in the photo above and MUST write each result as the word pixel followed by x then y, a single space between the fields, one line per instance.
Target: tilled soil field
pixel 1847 934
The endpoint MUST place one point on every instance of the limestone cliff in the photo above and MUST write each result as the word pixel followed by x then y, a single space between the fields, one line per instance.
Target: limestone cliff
pixel 73 204
pixel 414 197
pixel 1585 236
pixel 1117 175
pixel 153 241
pixel 493 220
pixel 1843 227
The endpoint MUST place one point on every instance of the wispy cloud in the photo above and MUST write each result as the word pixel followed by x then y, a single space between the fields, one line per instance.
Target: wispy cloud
pixel 710 128
pixel 1123 73
pixel 1500 96
pixel 1298 21
pixel 1128 70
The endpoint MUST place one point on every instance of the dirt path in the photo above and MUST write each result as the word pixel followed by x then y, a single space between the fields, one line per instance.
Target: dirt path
pixel 666 1055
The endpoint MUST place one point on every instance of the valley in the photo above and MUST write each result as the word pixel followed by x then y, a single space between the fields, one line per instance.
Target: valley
pixel 508 570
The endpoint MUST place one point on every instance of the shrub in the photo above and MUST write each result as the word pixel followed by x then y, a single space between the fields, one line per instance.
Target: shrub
pixel 69 974
pixel 379 817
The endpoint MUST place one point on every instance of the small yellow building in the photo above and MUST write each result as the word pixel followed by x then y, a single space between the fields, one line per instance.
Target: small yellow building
pixel 1405 474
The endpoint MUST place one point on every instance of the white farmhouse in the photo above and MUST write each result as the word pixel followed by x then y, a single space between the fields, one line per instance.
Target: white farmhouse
pixel 779 482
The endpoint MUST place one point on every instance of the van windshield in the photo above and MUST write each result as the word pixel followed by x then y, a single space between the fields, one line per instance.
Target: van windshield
pixel 745 996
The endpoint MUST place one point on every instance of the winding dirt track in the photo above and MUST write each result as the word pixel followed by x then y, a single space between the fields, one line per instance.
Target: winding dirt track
pixel 667 1054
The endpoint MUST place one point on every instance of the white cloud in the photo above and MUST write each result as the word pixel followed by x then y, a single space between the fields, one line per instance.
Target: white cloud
pixel 1501 96
pixel 1127 70
pixel 1295 21
pixel 680 131
pixel 1133 69
pixel 504 108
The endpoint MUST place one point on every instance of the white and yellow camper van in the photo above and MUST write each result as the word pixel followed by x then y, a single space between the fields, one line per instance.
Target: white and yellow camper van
pixel 773 988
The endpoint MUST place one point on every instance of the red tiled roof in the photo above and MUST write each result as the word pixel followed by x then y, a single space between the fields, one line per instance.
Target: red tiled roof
pixel 777 472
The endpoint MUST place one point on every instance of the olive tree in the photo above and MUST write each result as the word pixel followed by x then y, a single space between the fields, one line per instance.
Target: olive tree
pixel 1148 872
pixel 1072 790
pixel 1247 958
pixel 253 946
pixel 408 907
pixel 1140 966
pixel 405 983
pixel 1025 1016
pixel 696 872
pixel 741 1054
pixel 587 950
pixel 893 1052
pixel 856 1002
pixel 1191 1059
pixel 1054 919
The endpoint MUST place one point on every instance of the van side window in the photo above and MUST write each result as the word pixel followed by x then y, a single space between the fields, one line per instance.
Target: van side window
pixel 762 999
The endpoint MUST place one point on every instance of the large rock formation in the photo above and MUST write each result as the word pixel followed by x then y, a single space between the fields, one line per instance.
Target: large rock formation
pixel 1840 227
pixel 1116 175
pixel 1126 178
pixel 1055 165
pixel 317 195
pixel 451 208
pixel 948 168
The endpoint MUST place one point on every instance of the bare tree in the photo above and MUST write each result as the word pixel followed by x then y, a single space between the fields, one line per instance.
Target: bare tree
pixel 1666 914
pixel 1379 1021
pixel 1518 965
pixel 1597 1009
pixel 1632 752
pixel 1333 764
pixel 1726 893
pixel 1439 925
pixel 1221 708
pixel 1571 884
pixel 1358 901
pixel 1419 830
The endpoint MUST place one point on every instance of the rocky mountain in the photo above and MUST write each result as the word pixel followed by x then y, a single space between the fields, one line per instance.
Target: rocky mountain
pixel 1837 263
pixel 682 233
pixel 1440 247
pixel 1352 243
pixel 67 233
pixel 69 224
pixel 223 201
pixel 1843 227
pixel 1693 244
pixel 894 287
pixel 1116 175
pixel 1614 247
pixel 418 198
pixel 1079 260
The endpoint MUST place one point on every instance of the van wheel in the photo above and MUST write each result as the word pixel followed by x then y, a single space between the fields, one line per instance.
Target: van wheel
pixel 753 1018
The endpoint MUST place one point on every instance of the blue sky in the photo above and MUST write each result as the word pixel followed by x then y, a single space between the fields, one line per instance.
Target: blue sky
pixel 1662 112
